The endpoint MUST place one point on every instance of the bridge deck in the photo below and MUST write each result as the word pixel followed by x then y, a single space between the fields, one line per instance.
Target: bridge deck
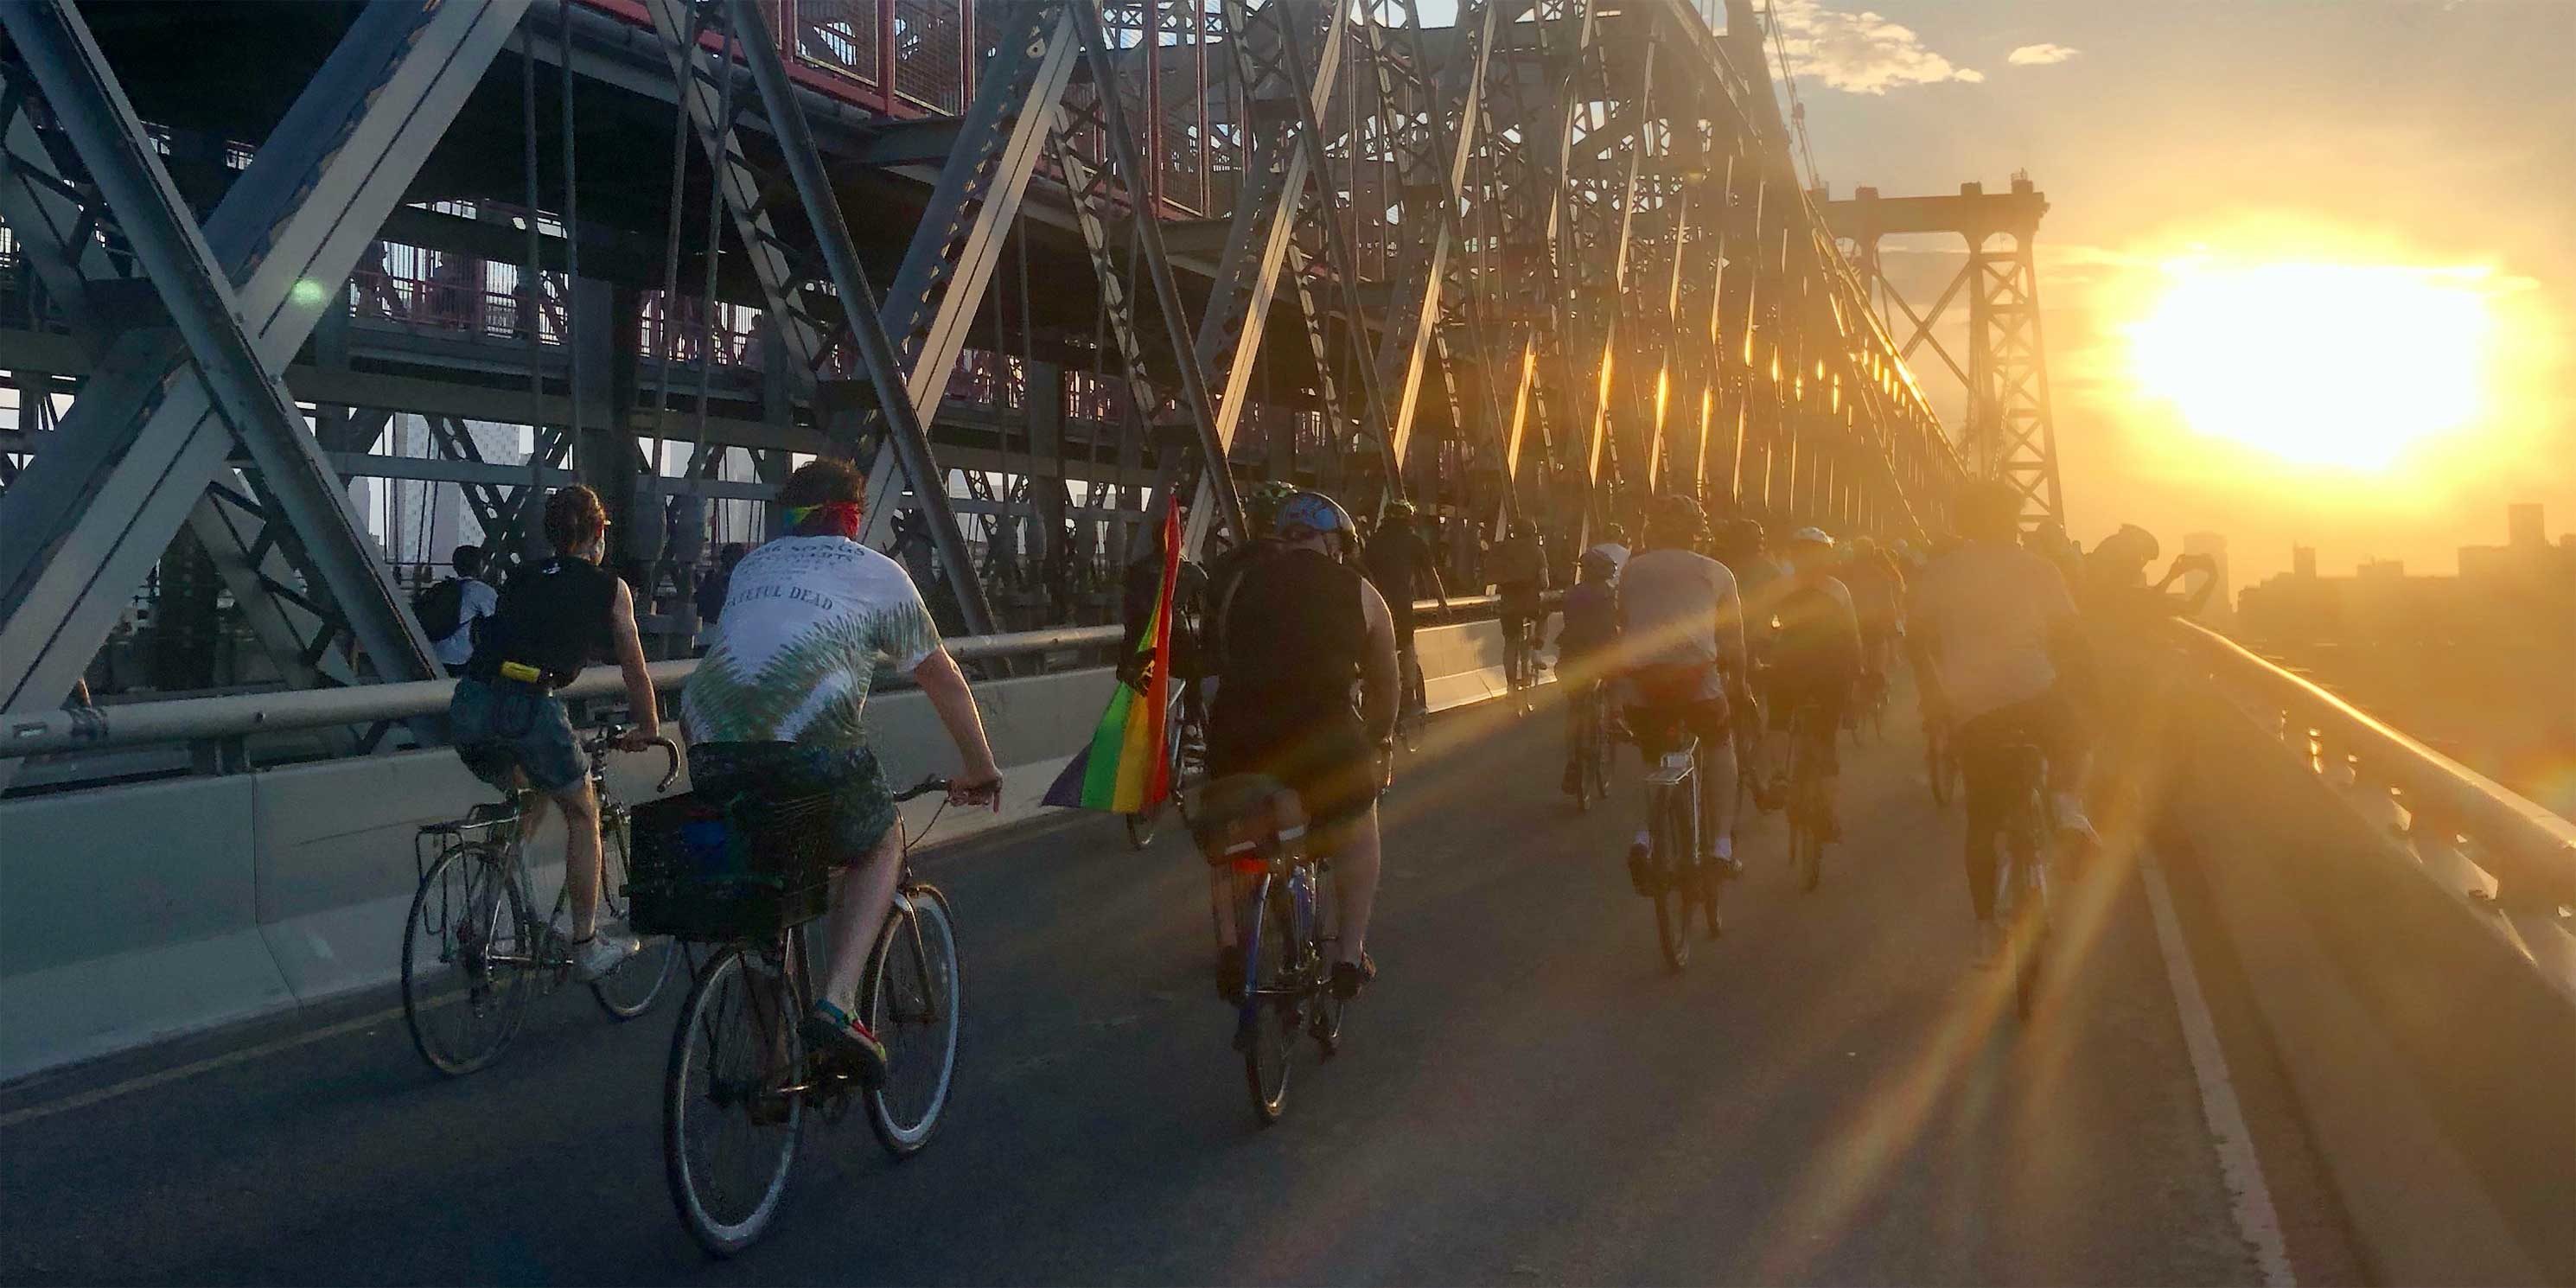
pixel 1829 1094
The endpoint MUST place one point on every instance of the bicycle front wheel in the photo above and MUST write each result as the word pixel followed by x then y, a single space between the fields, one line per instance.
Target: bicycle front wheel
pixel 631 989
pixel 468 946
pixel 1266 1029
pixel 911 998
pixel 732 1107
pixel 1141 825
pixel 1674 884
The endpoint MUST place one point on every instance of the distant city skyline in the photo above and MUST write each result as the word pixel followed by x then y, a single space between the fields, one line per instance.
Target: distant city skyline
pixel 2430 138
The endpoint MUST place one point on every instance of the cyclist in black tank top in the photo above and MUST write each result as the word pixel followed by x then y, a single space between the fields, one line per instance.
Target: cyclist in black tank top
pixel 1295 630
pixel 554 618
pixel 511 729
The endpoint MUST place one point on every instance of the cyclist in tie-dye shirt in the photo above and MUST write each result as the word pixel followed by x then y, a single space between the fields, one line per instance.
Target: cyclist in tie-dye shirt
pixel 776 705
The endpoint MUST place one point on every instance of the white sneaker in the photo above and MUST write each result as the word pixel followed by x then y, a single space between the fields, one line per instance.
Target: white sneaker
pixel 601 957
pixel 2071 820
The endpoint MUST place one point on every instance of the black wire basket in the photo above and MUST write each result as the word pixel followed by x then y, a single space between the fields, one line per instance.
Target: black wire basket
pixel 744 869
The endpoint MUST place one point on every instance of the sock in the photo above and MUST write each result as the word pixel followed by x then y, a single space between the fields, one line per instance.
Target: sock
pixel 1644 840
pixel 1725 847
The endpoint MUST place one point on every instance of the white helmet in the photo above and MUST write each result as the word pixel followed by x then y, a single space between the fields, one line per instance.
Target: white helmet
pixel 1812 536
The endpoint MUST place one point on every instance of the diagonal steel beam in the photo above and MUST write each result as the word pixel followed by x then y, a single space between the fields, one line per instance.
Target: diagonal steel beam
pixel 142 441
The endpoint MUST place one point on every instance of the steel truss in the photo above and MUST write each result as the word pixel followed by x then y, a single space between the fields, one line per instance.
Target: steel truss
pixel 1538 266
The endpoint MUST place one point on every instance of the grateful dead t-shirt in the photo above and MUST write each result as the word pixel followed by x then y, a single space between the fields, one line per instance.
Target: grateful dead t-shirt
pixel 804 625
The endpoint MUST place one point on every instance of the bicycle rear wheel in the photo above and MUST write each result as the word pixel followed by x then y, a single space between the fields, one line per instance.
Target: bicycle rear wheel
pixel 910 999
pixel 1266 1028
pixel 468 945
pixel 1672 871
pixel 631 989
pixel 1806 843
pixel 1943 768
pixel 730 1123
pixel 2029 926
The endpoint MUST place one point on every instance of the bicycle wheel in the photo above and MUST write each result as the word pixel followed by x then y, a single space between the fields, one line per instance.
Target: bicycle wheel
pixel 1141 825
pixel 468 945
pixel 1266 1030
pixel 2029 925
pixel 631 989
pixel 730 1124
pixel 1806 841
pixel 910 999
pixel 1673 885
pixel 1326 1026
pixel 1944 770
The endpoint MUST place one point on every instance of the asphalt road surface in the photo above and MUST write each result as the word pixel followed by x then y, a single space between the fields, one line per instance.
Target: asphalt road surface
pixel 1830 1093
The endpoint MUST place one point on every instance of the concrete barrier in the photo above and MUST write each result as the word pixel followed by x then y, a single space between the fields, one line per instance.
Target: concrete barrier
pixel 2435 1067
pixel 134 914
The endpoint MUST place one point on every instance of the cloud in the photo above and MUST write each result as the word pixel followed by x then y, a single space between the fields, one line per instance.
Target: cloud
pixel 1860 52
pixel 2040 55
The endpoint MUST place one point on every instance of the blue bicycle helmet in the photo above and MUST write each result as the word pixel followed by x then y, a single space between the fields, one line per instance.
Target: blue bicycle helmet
pixel 1313 513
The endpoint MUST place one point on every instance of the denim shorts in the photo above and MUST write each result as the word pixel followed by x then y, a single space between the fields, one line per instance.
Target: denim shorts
pixel 504 729
pixel 863 808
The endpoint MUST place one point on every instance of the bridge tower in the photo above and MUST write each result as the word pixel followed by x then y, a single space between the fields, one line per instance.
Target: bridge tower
pixel 2010 431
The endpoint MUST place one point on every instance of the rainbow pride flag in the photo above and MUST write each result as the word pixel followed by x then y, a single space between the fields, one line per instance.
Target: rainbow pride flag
pixel 1123 768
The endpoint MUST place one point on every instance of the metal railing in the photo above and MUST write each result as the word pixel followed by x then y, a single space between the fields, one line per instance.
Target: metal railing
pixel 245 714
pixel 2476 837
pixel 242 715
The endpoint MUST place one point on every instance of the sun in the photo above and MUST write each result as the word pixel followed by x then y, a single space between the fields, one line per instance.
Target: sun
pixel 2338 365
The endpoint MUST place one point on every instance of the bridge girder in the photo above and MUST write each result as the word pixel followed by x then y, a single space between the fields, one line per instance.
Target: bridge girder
pixel 1541 264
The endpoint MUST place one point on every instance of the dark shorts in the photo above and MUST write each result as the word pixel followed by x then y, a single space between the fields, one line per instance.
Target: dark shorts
pixel 1330 764
pixel 863 808
pixel 1661 700
pixel 503 729
pixel 1825 700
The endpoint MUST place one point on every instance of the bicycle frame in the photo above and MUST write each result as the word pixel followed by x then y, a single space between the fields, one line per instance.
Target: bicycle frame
pixel 1285 861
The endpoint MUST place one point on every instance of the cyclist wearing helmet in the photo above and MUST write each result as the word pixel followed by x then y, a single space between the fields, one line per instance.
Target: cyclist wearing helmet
pixel 1877 591
pixel 1681 624
pixel 1587 641
pixel 1997 628
pixel 1399 564
pixel 1519 569
pixel 1814 658
pixel 1613 545
pixel 1292 631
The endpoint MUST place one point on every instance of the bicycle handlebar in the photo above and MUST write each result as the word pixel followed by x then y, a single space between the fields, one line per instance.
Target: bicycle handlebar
pixel 926 786
pixel 608 736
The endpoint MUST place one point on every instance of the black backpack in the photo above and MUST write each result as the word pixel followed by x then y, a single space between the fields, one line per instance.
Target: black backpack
pixel 439 607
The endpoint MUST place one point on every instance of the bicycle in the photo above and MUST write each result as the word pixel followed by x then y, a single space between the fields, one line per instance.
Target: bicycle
pixel 1185 748
pixel 1588 747
pixel 1673 876
pixel 1810 814
pixel 2022 874
pixel 740 1083
pixel 472 948
pixel 1414 708
pixel 1284 912
pixel 1941 761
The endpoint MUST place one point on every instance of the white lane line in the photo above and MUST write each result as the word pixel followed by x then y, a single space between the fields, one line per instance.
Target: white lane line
pixel 2257 1222
pixel 181 1073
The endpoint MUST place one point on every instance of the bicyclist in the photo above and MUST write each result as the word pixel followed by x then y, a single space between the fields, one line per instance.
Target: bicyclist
pixel 511 729
pixel 1519 569
pixel 1994 622
pixel 1400 565
pixel 776 707
pixel 1614 545
pixel 1877 592
pixel 1292 632
pixel 1681 624
pixel 1815 657
pixel 1587 642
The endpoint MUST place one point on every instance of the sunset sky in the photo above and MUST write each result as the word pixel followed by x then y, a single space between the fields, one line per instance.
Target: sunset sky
pixel 2259 151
